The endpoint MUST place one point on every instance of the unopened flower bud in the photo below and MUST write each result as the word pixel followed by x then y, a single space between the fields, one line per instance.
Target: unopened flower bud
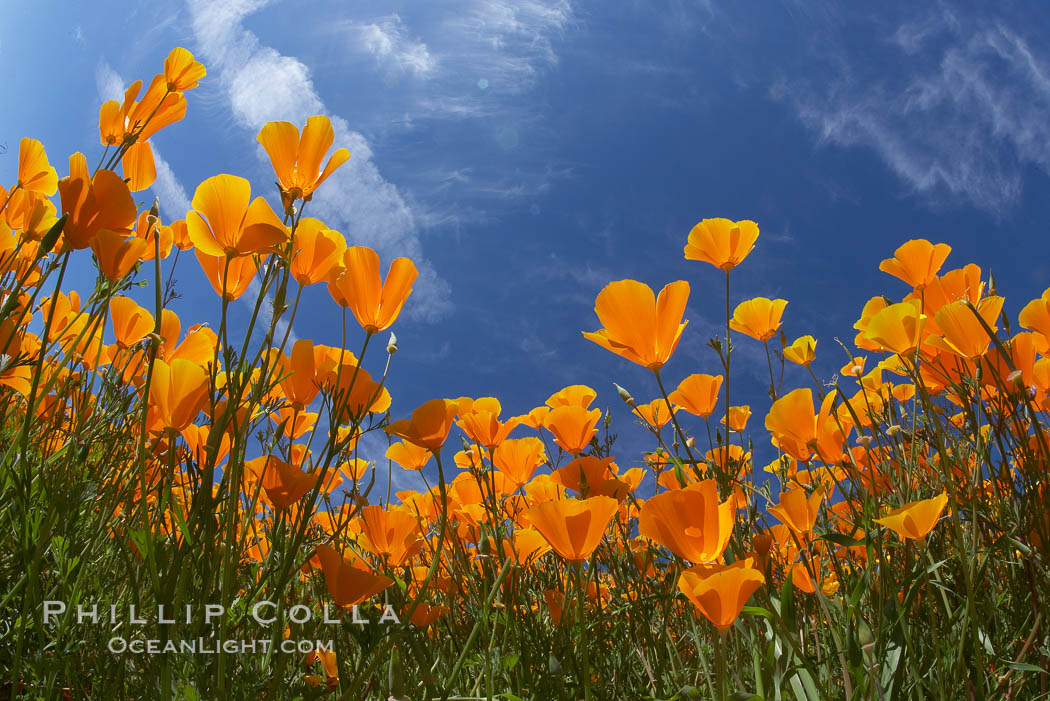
pixel 391 345
pixel 864 441
pixel 893 430
pixel 1015 378
pixel 624 395
pixel 690 442
pixel 154 211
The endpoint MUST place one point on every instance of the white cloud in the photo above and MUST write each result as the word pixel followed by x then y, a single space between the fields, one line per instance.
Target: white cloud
pixel 963 121
pixel 385 40
pixel 264 85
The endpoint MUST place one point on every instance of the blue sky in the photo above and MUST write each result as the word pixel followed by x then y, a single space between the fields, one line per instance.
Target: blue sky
pixel 525 154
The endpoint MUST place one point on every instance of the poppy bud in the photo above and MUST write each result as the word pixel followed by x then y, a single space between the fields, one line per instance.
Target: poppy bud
pixel 624 395
pixel 51 237
pixel 1015 378
pixel 690 442
pixel 893 430
pixel 391 345
pixel 865 441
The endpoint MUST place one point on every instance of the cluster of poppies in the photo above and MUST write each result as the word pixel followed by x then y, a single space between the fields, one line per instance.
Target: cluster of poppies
pixel 274 429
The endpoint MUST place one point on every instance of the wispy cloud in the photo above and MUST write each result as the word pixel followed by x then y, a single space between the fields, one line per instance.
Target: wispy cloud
pixel 959 123
pixel 386 40
pixel 264 85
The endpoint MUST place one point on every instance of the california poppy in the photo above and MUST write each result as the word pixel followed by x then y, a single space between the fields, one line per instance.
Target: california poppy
pixel 638 326
pixel 409 455
pixel 349 583
pixel 518 458
pixel 962 332
pixel 482 425
pixel 131 323
pixel 429 426
pixel 225 221
pixel 896 328
pixel 116 253
pixel 181 71
pixel 229 277
pixel 140 170
pixel 1036 314
pixel 316 250
pixel 375 303
pixel 177 393
pixel 793 424
pixel 698 394
pixel 916 262
pixel 393 535
pixel 35 173
pixel 689 522
pixel 917 519
pixel 573 395
pixel 797 510
pixel 573 427
pixel 721 242
pixel 573 527
pixel 758 318
pixel 802 351
pixel 284 483
pixel 719 592
pixel 297 159
pixel 93 203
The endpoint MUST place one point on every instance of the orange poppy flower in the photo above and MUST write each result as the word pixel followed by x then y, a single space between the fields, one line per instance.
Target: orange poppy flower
pixel 93 204
pixel 177 393
pixel 408 455
pixel 117 253
pixel 131 323
pixel 917 519
pixel 349 583
pixel 655 413
pixel 391 535
pixel 698 394
pixel 229 277
pixel 587 475
pixel 285 484
pixel 738 416
pixel 1036 314
pixel 719 592
pixel 518 458
pixel 181 71
pixel 897 328
pixel 758 318
pixel 793 424
pixel 573 395
pixel 302 384
pixel 872 307
pixel 962 331
pixel 527 547
pixel 35 173
pixel 225 221
pixel 140 170
pixel 429 426
pixel 375 303
pixel 316 250
pixel 721 242
pixel 638 326
pixel 797 510
pixel 916 262
pixel 573 427
pixel 297 159
pixel 574 528
pixel 802 351
pixel 292 423
pixel 689 522
pixel 480 421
